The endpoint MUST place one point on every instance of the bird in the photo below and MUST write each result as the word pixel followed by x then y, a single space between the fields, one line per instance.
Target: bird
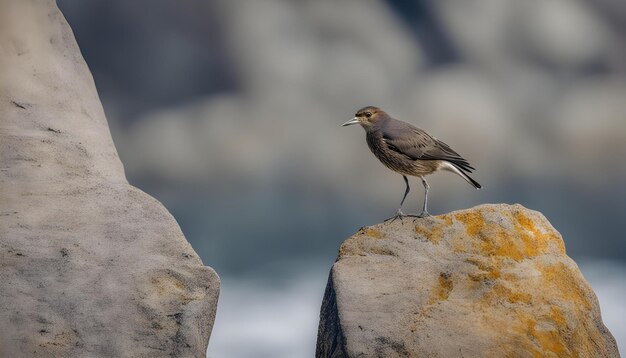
pixel 409 151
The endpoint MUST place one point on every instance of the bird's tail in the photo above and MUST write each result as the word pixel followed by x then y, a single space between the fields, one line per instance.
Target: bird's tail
pixel 472 181
pixel 456 170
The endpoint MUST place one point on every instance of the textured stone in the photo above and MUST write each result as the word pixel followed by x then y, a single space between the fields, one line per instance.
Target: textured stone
pixel 89 265
pixel 491 281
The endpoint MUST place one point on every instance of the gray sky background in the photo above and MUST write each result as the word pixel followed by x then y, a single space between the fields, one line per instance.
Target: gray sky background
pixel 229 112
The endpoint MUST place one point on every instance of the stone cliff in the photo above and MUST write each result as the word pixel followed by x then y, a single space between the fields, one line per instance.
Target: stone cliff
pixel 89 265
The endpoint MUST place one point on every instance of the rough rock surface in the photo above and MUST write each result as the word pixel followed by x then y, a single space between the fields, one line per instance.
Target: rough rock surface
pixel 491 281
pixel 89 265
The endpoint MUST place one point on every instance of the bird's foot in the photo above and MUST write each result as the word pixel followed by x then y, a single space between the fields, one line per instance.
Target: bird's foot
pixel 424 214
pixel 399 215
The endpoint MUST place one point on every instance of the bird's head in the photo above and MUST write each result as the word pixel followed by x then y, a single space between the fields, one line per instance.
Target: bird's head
pixel 366 117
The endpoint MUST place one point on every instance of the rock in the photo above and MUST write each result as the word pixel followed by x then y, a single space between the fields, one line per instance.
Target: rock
pixel 89 265
pixel 491 281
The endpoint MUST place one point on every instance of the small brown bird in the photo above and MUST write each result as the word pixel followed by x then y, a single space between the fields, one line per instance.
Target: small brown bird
pixel 408 150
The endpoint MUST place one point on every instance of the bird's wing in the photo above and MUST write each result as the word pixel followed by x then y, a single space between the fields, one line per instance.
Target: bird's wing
pixel 417 144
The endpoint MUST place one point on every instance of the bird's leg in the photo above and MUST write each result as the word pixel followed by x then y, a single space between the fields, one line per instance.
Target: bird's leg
pixel 424 209
pixel 406 192
pixel 399 213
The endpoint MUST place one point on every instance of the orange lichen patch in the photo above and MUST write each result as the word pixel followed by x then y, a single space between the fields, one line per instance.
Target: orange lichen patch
pixel 489 266
pixel 373 233
pixel 547 312
pixel 359 243
pixel 510 277
pixel 556 316
pixel 537 323
pixel 561 283
pixel 522 335
pixel 447 219
pixel 519 297
pixel 443 288
pixel 535 242
pixel 435 233
pixel 500 243
pixel 532 328
pixel 473 221
pixel 489 238
pixel 547 340
pixel 493 239
pixel 525 221
pixel 551 341
pixel 351 247
pixel 512 331
pixel 501 292
pixel 428 234
pixel 458 244
pixel 527 326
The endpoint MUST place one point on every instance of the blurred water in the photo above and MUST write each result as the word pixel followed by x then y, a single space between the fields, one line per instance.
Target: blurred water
pixel 261 318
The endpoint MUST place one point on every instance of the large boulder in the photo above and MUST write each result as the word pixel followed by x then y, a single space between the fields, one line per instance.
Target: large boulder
pixel 89 265
pixel 491 281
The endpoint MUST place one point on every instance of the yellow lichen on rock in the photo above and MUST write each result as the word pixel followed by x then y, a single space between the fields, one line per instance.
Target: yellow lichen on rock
pixel 442 289
pixel 487 236
pixel 496 250
pixel 544 342
pixel 473 220
pixel 535 242
pixel 489 267
pixel 556 315
pixel 491 281
pixel 359 244
pixel 435 233
pixel 502 292
pixel 559 280
pixel 373 233
pixel 539 313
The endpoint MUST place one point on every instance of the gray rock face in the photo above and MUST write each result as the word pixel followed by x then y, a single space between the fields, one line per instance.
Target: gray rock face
pixel 491 281
pixel 89 265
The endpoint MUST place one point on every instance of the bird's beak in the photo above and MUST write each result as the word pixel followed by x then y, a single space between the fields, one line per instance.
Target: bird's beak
pixel 350 122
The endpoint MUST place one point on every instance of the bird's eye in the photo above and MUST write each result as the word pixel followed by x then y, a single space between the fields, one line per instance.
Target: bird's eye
pixel 368 114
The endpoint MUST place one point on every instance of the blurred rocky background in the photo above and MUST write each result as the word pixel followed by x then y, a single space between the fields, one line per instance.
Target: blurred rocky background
pixel 228 112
